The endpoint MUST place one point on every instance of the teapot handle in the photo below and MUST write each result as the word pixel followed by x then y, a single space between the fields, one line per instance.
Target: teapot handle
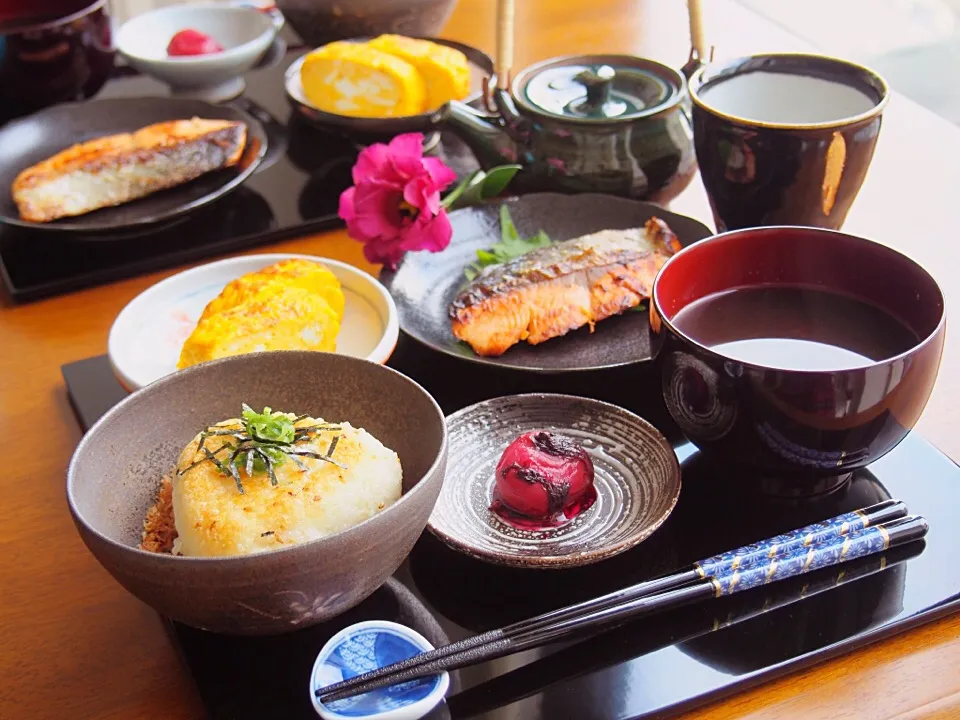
pixel 695 61
pixel 698 43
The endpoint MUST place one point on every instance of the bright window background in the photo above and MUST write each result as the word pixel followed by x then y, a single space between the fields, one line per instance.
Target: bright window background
pixel 915 44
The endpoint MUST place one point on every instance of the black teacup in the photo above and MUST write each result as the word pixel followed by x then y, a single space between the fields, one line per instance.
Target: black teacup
pixel 785 139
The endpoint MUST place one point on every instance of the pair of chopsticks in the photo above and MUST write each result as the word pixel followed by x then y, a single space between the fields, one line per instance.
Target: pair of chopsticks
pixel 845 537
pixel 600 652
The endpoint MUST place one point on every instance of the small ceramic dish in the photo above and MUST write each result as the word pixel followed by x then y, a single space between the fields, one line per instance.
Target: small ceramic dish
pixel 481 66
pixel 425 284
pixel 148 334
pixel 637 478
pixel 367 646
pixel 245 33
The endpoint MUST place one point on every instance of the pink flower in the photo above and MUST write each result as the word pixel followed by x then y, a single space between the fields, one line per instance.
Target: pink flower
pixel 394 205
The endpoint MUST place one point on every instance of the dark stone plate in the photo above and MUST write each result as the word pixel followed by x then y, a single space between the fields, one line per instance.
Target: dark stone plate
pixel 425 284
pixel 32 139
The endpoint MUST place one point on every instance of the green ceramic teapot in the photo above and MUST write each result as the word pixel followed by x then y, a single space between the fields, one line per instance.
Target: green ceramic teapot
pixel 616 124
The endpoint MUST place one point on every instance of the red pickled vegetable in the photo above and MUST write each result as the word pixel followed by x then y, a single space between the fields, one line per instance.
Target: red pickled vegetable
pixel 543 480
pixel 192 42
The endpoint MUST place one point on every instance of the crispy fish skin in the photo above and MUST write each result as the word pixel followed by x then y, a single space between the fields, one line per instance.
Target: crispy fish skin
pixel 116 169
pixel 550 291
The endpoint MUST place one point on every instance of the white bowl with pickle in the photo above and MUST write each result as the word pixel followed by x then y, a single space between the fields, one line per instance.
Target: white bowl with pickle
pixel 252 303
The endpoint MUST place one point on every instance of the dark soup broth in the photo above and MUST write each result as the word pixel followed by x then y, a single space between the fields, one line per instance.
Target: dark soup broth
pixel 793 328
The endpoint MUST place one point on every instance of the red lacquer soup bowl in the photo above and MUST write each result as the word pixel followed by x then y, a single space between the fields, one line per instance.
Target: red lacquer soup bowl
pixel 796 352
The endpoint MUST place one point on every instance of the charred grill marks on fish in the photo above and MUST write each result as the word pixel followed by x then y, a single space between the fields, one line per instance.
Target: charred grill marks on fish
pixel 550 291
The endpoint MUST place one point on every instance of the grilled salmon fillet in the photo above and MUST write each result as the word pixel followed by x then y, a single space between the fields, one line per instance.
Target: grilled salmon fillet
pixel 550 291
pixel 116 169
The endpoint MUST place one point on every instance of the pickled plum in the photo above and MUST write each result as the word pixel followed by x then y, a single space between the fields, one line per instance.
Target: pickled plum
pixel 543 480
pixel 192 42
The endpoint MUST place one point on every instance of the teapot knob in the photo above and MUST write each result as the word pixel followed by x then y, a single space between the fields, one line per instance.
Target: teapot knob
pixel 598 84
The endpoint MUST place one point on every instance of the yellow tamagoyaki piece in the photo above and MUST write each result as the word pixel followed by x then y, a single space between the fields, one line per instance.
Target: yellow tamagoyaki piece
pixel 292 319
pixel 295 272
pixel 445 70
pixel 295 304
pixel 348 78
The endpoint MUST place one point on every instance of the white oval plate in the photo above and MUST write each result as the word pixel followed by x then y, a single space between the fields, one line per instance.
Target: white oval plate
pixel 148 334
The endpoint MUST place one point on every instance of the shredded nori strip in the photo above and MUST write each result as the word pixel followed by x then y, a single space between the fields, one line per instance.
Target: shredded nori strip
pixel 251 446
pixel 234 472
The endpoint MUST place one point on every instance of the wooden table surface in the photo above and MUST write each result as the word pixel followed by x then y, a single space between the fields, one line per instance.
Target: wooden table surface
pixel 74 644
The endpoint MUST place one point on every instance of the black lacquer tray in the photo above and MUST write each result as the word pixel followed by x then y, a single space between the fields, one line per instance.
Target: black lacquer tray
pixel 294 192
pixel 649 668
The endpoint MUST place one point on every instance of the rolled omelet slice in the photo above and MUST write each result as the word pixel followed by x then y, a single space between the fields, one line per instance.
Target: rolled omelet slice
pixel 291 318
pixel 348 78
pixel 295 272
pixel 445 70
pixel 214 519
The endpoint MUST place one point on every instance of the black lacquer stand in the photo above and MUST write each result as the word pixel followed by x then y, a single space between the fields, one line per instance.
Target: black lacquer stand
pixel 294 193
pixel 649 668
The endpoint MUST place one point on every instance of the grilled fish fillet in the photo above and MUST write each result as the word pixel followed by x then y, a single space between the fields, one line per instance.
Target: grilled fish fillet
pixel 550 291
pixel 116 169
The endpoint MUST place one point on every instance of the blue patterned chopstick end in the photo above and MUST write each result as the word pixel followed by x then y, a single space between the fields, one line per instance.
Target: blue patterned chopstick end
pixel 762 552
pixel 804 559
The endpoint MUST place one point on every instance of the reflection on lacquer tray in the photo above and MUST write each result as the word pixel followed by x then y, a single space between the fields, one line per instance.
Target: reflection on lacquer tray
pixel 283 662
pixel 456 384
pixel 813 624
pixel 242 211
pixel 320 196
pixel 480 596
pixel 762 626
pixel 725 507
pixel 310 149
pixel 39 260
pixel 749 515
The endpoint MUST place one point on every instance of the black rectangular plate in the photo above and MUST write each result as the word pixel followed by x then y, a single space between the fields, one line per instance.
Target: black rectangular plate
pixel 649 668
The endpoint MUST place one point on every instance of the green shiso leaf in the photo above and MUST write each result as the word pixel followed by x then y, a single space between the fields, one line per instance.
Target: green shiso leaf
pixel 512 245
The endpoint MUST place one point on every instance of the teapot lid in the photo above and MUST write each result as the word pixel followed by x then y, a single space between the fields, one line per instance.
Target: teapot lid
pixel 599 88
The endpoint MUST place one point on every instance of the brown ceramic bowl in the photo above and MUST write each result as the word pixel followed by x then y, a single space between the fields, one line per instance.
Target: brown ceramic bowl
pixel 805 425
pixel 52 52
pixel 321 21
pixel 114 474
